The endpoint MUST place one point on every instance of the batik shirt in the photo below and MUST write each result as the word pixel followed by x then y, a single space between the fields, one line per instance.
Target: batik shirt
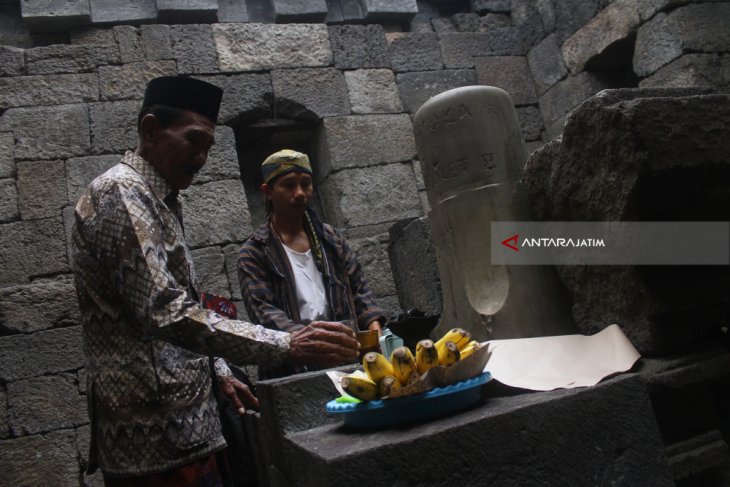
pixel 145 338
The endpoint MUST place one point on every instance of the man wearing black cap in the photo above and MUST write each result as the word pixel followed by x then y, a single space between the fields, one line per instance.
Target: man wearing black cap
pixel 153 418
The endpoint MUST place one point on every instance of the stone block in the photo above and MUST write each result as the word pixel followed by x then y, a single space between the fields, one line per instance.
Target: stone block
pixel 311 92
pixel 21 312
pixel 156 42
pixel 210 271
pixel 41 189
pixel 187 11
pixel 215 213
pixel 372 91
pixel 334 12
pixel 391 195
pixel 59 15
pixel 49 459
pixel 359 46
pixel 106 12
pixel 571 15
pixel 392 10
pixel 48 132
pixel 92 36
pixel 412 258
pixel 67 58
pixel 83 441
pixel 7 151
pixel 352 11
pixel 416 88
pixel 222 158
pixel 704 70
pixel 459 48
pixel 624 443
pixel 527 20
pixel 547 13
pixel 41 353
pixel 232 11
pixel 62 89
pixel 372 254
pixel 613 26
pixel 129 39
pixel 312 11
pixel 12 61
pixel 130 80
pixel 246 96
pixel 114 126
pixel 80 171
pixel 490 6
pixel 466 22
pixel 31 248
pixel 569 93
pixel 414 51
pixel 230 254
pixel 194 49
pixel 261 47
pixel 4 427
pixel 8 200
pixel 647 8
pixel 530 122
pixel 361 141
pixel 546 64
pixel 46 403
pixel 390 305
pixel 692 28
pixel 509 73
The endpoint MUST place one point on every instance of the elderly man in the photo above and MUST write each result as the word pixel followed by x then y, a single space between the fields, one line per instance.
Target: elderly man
pixel 296 270
pixel 154 420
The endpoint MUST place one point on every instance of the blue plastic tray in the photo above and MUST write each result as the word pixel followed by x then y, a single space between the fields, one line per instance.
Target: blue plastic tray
pixel 436 402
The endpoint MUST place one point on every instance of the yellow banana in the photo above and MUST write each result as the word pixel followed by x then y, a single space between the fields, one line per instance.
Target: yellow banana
pixel 376 366
pixel 448 354
pixel 470 348
pixel 426 356
pixel 403 363
pixel 387 385
pixel 360 387
pixel 457 335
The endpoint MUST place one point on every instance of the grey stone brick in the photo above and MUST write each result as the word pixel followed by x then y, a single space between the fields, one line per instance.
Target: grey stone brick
pixel 372 91
pixel 246 96
pixel 334 12
pixel 63 89
pixel 46 403
pixel 359 46
pixel 547 13
pixel 8 200
pixel 390 305
pixel 416 88
pixel 116 12
pixel 41 353
pixel 48 132
pixel 490 6
pixel 67 214
pixel 692 28
pixel 69 58
pixel 546 64
pixel 509 73
pixel 312 11
pixel 466 22
pixel 364 140
pixel 370 195
pixel 12 61
pixel 41 189
pixel 571 15
pixel 4 427
pixel 222 158
pixel 210 270
pixel 614 24
pixel 194 48
pixel 647 8
pixel 708 70
pixel 569 93
pixel 215 213
pixel 156 42
pixel 59 15
pixel 83 441
pixel 114 126
pixel 414 51
pixel 92 36
pixel 260 47
pixel 318 91
pixel 41 239
pixel 129 39
pixel 232 11
pixel 130 80
pixel 48 459
pixel 372 254
pixel 392 10
pixel 21 312
pixel 230 254
pixel 80 171
pixel 531 122
pixel 459 48
pixel 7 151
pixel 352 10
pixel 187 11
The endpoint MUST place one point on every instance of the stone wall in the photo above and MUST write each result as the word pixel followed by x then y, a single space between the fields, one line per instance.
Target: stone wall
pixel 340 78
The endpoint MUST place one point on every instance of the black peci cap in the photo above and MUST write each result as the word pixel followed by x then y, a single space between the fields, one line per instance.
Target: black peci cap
pixel 185 93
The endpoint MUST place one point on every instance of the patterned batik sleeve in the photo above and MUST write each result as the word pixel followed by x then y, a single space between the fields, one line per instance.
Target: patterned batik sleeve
pixel 134 249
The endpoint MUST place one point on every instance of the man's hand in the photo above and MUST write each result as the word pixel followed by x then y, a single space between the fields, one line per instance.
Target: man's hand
pixel 323 343
pixel 238 393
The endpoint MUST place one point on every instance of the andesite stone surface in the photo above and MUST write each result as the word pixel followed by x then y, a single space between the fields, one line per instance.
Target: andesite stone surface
pixel 113 11
pixel 64 89
pixel 156 42
pixel 416 88
pixel 372 91
pixel 41 177
pixel 41 353
pixel 372 254
pixel 246 96
pixel 20 311
pixel 80 171
pixel 114 126
pixel 569 93
pixel 688 70
pixel 299 10
pixel 43 239
pixel 12 61
pixel 414 51
pixel 7 151
pixel 194 48
pixel 319 92
pixel 57 451
pixel 210 271
pixel 509 73
pixel 8 200
pixel 131 47
pixel 215 213
pixel 546 64
pixel 62 58
pixel 359 46
pixel 55 16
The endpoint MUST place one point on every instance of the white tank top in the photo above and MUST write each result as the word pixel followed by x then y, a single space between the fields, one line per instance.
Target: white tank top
pixel 311 297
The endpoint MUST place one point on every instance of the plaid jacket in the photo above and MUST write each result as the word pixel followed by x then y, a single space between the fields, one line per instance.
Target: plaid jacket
pixel 268 286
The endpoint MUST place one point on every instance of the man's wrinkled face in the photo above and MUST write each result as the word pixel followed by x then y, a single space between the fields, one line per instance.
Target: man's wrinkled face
pixel 180 150
pixel 290 192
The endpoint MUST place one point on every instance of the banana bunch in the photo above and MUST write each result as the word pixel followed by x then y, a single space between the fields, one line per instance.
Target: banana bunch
pixel 382 376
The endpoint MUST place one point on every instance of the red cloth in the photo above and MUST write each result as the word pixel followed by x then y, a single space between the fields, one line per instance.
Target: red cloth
pixel 206 472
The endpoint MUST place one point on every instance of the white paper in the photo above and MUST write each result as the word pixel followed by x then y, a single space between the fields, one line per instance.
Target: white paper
pixel 547 363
